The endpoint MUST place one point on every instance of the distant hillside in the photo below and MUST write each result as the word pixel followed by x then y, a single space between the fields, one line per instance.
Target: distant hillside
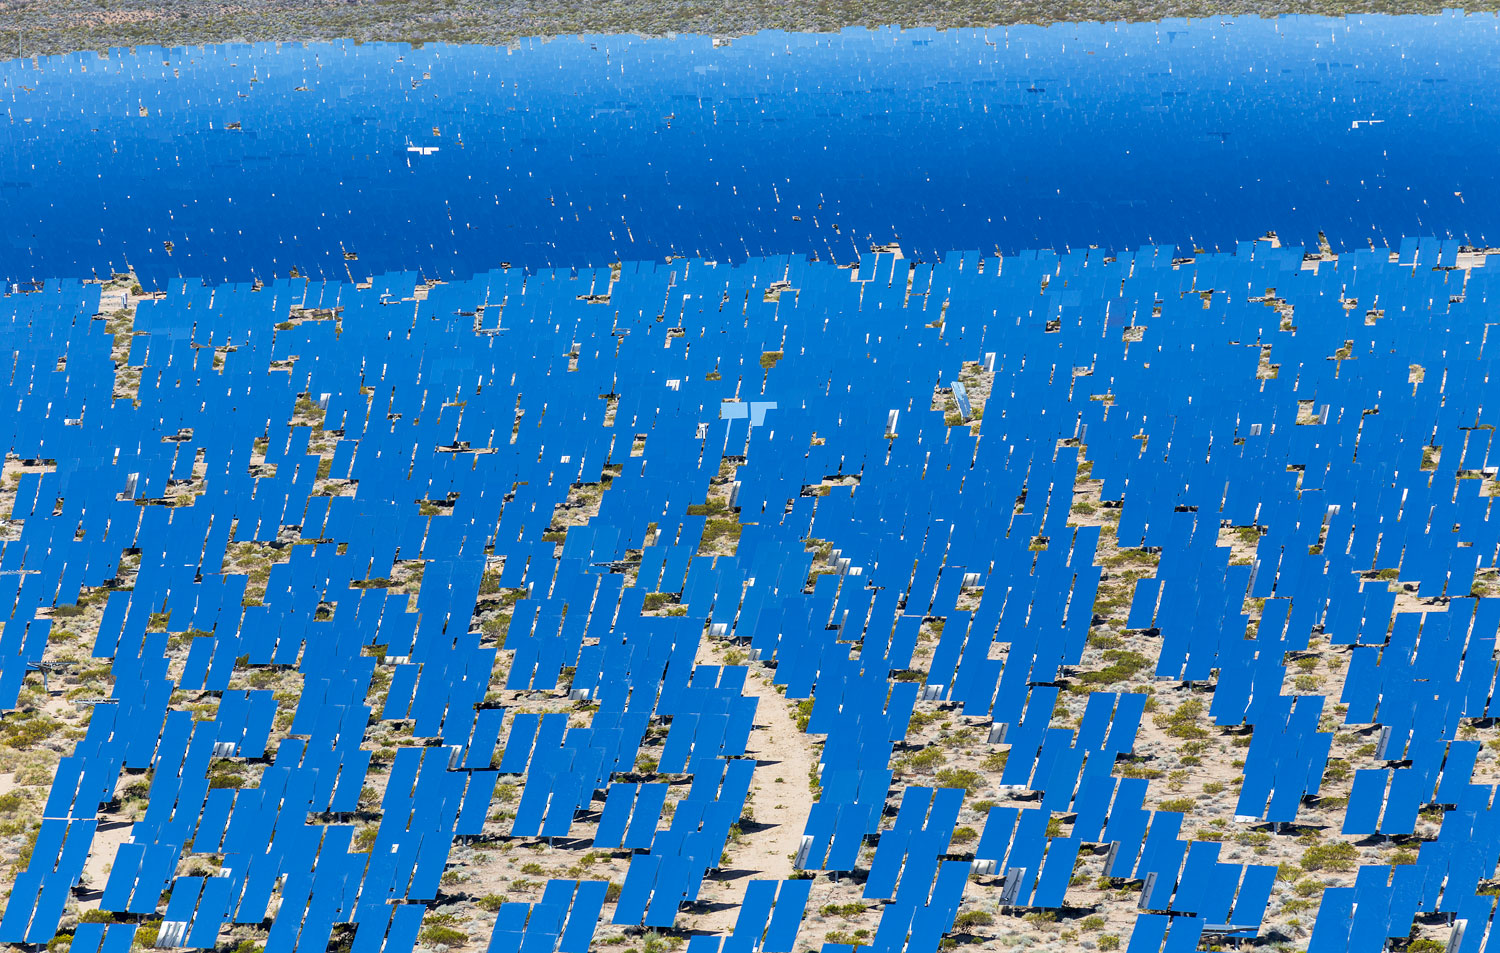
pixel 58 26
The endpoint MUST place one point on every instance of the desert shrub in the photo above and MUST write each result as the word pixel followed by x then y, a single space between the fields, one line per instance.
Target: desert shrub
pixel 958 778
pixel 1337 856
pixel 965 835
pixel 1121 665
pixel 1183 723
pixel 925 760
pixel 445 935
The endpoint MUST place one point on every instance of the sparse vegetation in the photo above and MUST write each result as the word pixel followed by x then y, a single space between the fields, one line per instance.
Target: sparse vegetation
pixel 1340 855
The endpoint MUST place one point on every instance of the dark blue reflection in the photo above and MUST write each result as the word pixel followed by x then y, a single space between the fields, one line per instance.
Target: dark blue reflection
pixel 260 159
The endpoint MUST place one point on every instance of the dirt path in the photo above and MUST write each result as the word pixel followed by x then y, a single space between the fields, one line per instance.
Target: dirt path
pixel 780 799
pixel 101 858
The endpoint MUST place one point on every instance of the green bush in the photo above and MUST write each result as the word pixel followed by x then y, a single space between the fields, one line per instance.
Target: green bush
pixel 965 835
pixel 26 729
pixel 716 529
pixel 1183 723
pixel 146 934
pixel 925 760
pixel 920 720
pixel 445 935
pixel 1136 769
pixel 23 857
pixel 365 839
pixel 225 774
pixel 958 778
pixel 1337 856
pixel 1122 665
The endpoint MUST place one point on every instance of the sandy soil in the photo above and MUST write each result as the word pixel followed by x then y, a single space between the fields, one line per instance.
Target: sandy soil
pixel 780 797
